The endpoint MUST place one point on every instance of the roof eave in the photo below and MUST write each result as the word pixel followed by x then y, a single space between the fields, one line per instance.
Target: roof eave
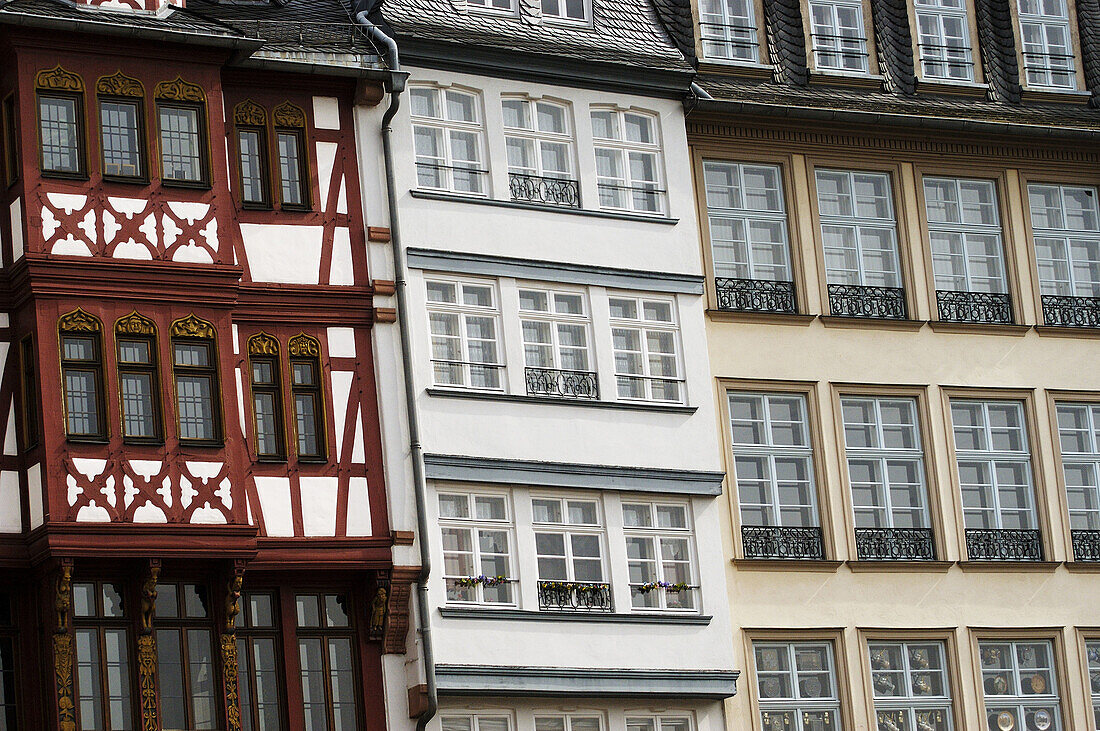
pixel 236 43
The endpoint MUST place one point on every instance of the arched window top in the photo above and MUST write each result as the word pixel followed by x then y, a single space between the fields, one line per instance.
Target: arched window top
pixel 135 324
pixel 249 114
pixel 263 344
pixel 289 115
pixel 58 79
pixel 192 327
pixel 79 321
pixel 304 346
pixel 180 91
pixel 119 84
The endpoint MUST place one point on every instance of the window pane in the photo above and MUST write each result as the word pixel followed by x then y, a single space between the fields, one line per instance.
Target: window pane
pixel 305 407
pixel 138 419
pixel 82 402
pixel 196 407
pixel 170 678
pixel 250 147
pixel 118 125
pixel 181 146
pixel 59 131
pixel 290 168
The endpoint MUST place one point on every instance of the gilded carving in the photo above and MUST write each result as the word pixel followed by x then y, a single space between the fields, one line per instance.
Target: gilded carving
pixel 249 114
pixel 135 324
pixel 63 671
pixel 289 115
pixel 63 596
pixel 378 609
pixel 119 84
pixel 229 673
pixel 147 681
pixel 180 91
pixel 304 346
pixel 263 344
pixel 192 327
pixel 58 79
pixel 233 603
pixel 79 321
pixel 149 599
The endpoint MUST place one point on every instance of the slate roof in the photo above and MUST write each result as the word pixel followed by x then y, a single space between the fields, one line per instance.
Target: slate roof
pixel 177 22
pixel 291 24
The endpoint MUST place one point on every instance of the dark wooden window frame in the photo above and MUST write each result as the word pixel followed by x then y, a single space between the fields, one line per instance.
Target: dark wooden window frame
pixel 264 203
pixel 180 94
pixel 28 393
pixel 80 324
pixel 263 348
pixel 246 632
pixel 305 349
pixel 100 622
pixel 81 173
pixel 290 119
pixel 326 633
pixel 134 327
pixel 189 331
pixel 9 120
pixel 9 632
pixel 180 624
pixel 143 147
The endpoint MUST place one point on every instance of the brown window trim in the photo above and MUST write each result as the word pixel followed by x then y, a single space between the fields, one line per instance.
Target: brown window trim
pixel 81 134
pixel 304 350
pixel 143 147
pixel 203 183
pixel 28 393
pixel 99 622
pixel 325 634
pixel 180 624
pixel 303 169
pixel 246 632
pixel 265 168
pixel 191 330
pixel 152 369
pixel 9 119
pixel 262 348
pixel 80 324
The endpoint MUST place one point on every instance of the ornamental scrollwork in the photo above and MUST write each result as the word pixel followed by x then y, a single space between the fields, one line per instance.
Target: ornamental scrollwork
pixel 63 673
pixel 250 114
pixel 119 84
pixel 135 324
pixel 263 344
pixel 58 79
pixel 192 327
pixel 289 115
pixel 79 321
pixel 180 91
pixel 229 673
pixel 304 346
pixel 147 681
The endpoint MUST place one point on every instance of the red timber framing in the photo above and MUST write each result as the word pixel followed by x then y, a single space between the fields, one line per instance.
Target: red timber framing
pixel 141 506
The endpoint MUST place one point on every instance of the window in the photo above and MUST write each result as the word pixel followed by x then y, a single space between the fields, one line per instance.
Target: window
pixel 628 161
pixel 1047 46
pixel 28 392
pixel 943 40
pixel 657 723
pixel 568 722
pixel 258 663
pixel 858 228
pixel 1092 650
pixel 447 137
pixel 61 134
pixel 797 686
pixel 555 329
pixel 886 472
pixel 290 143
pixel 100 633
pixel 565 9
pixel 9 661
pixel 82 376
pixel 911 686
pixel 659 549
pixel 647 362
pixel 267 396
pixel 728 30
pixel 181 124
pixel 250 121
pixel 120 130
pixel 185 658
pixel 477 548
pixel 326 651
pixel 502 5
pixel 475 722
pixel 837 36
pixel 307 392
pixel 195 367
pixel 1020 685
pixel 11 147
pixel 1079 436
pixel 1066 226
pixel 465 322
pixel 539 138
pixel 568 540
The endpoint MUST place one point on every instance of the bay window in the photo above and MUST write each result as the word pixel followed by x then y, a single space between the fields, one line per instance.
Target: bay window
pixel 82 376
pixel 61 133
pixel 182 143
pixel 121 132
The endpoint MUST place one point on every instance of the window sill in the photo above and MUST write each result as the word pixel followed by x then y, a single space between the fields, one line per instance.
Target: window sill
pixel 1056 96
pixel 313 460
pixel 871 323
pixel 786 564
pixel 87 440
pixel 515 398
pixel 856 79
pixel 246 206
pixel 862 565
pixel 436 196
pixel 136 442
pixel 201 443
pixel 1083 567
pixel 74 177
pixel 1007 565
pixel 949 86
pixel 732 67
pixel 770 318
pixel 122 180
pixel 1061 331
pixel 612 617
pixel 189 184
pixel 289 208
pixel 978 328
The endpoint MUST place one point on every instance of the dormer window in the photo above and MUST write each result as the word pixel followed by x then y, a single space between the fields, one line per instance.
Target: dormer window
pixel 498 5
pixel 1046 44
pixel 838 37
pixel 943 40
pixel 565 9
pixel 728 30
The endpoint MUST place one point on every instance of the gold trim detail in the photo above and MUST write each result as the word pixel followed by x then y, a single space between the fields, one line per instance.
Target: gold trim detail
pixel 180 91
pixel 192 327
pixel 63 596
pixel 119 84
pixel 229 673
pixel 79 321
pixel 263 344
pixel 250 114
pixel 63 672
pixel 147 681
pixel 149 599
pixel 58 79
pixel 135 324
pixel 304 346
pixel 379 607
pixel 289 115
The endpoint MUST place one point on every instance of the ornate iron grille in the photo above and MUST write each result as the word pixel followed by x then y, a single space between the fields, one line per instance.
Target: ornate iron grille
pixel 895 544
pixel 760 541
pixel 755 295
pixel 561 383
pixel 851 300
pixel 1003 544
pixel 1064 311
pixel 1086 545
pixel 574 596
pixel 548 191
pixel 985 307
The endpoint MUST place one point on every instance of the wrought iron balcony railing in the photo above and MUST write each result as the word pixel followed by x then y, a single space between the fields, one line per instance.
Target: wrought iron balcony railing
pixel 981 307
pixel 851 300
pixel 1065 311
pixel 560 383
pixel 1086 545
pixel 574 596
pixel 895 544
pixel 1003 544
pixel 760 541
pixel 547 191
pixel 755 295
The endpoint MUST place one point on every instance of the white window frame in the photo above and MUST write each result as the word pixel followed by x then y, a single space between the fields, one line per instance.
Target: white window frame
pixel 568 720
pixel 859 226
pixel 883 457
pixel 1014 700
pixel 1040 61
pixel 937 57
pixel 745 264
pixel 464 312
pixel 496 7
pixel 796 705
pixel 771 452
pixel 733 30
pixel 557 319
pixel 555 11
pixel 630 190
pixel 1092 660
pixel 992 459
pixel 475 719
pixel 643 327
pixel 446 166
pixel 539 137
pixel 656 535
pixel 968 233
pixel 475 525
pixel 1065 239
pixel 835 44
pixel 567 530
pixel 910 710
pixel 1081 518
pixel 659 722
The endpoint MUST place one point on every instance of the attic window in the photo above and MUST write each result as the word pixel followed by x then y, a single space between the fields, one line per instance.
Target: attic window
pixel 565 9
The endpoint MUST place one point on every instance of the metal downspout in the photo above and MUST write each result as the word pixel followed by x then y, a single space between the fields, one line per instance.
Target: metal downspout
pixel 396 86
